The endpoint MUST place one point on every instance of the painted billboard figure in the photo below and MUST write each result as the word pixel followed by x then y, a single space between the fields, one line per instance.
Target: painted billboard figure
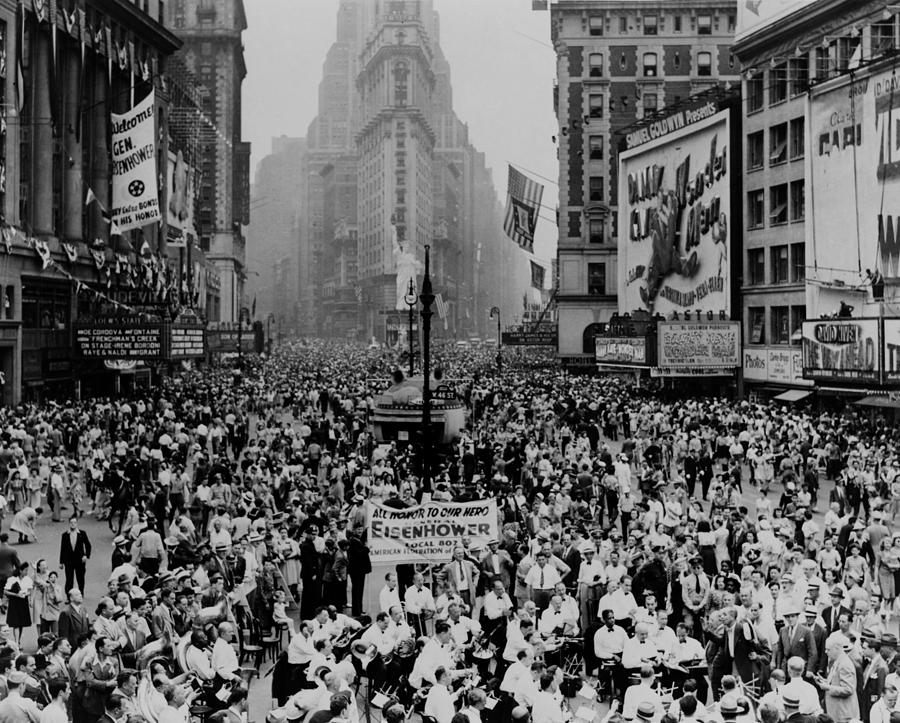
pixel 407 267
pixel 666 258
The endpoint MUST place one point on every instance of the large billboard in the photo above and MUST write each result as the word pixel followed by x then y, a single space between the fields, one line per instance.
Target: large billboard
pixel 854 172
pixel 674 214
pixel 892 350
pixel 842 349
pixel 698 348
pixel 754 15
pixel 621 350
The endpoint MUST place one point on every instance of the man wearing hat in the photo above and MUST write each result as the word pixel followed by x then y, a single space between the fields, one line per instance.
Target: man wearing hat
pixel 496 562
pixel 840 684
pixel 874 673
pixel 837 608
pixel 794 638
pixel 792 709
pixel 15 707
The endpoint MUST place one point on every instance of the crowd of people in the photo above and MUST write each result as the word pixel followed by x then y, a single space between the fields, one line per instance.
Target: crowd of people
pixel 696 559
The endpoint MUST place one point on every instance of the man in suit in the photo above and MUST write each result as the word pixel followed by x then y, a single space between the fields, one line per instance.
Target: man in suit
pixel 819 635
pixel 496 562
pixel 74 552
pixel 794 639
pixel 833 612
pixel 73 618
pixel 874 673
pixel 161 622
pixel 135 639
pixel 572 557
pixel 462 577
pixel 839 686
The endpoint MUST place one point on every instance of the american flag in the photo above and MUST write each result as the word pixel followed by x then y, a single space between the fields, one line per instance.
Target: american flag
pixel 523 200
pixel 441 306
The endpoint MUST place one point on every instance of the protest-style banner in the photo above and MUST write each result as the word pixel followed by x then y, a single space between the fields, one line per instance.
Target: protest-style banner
pixel 135 194
pixel 427 533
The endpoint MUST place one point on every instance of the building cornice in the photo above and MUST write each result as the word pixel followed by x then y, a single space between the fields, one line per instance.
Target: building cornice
pixel 142 24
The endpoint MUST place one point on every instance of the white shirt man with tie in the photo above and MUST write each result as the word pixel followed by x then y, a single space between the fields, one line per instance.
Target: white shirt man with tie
pixel 590 577
pixel 462 577
pixel 497 604
pixel 541 579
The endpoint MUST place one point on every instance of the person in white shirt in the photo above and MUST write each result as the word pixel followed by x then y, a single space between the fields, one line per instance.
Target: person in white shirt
pixel 497 602
pixel 665 639
pixel 224 658
pixel 55 712
pixel 419 601
pixel 518 636
pixel 463 629
pixel 546 707
pixel 196 656
pixel 643 692
pixel 517 671
pixel 773 697
pixel 528 686
pixel 554 620
pixel 639 651
pixel 397 628
pixel 800 689
pixel 390 594
pixel 440 701
pixel 377 636
pixel 881 709
pixel 300 649
pixel 437 653
pixel 620 602
pixel 647 614
pixel 540 580
pixel 477 702
pixel 590 577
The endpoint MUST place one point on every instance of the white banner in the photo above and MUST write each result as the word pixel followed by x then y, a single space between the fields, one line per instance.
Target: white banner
pixel 427 533
pixel 755 15
pixel 135 196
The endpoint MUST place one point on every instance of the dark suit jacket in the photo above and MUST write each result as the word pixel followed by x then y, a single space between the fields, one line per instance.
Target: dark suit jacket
pixel 73 623
pixel 130 650
pixel 830 617
pixel 573 560
pixel 507 567
pixel 800 643
pixel 72 557
pixel 819 636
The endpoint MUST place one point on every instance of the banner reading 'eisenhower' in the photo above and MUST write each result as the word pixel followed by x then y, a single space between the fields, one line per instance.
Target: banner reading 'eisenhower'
pixel 429 532
pixel 135 195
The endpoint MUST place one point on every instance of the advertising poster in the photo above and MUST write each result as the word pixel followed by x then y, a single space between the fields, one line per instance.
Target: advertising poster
pixel 854 171
pixel 713 345
pixel 779 365
pixel 135 196
pixel 892 350
pixel 754 15
pixel 842 349
pixel 621 350
pixel 756 365
pixel 187 341
pixel 427 533
pixel 674 214
pixel 179 194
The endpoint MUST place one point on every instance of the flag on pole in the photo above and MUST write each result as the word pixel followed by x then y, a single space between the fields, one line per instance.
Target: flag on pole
pixel 523 200
pixel 537 275
pixel 20 40
pixel 441 306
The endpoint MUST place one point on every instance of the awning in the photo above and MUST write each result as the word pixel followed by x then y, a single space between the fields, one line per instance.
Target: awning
pixel 878 400
pixel 792 395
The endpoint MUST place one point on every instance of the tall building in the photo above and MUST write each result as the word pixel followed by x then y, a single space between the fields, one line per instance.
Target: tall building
pixel 272 235
pixel 618 61
pixel 389 163
pixel 213 52
pixel 819 189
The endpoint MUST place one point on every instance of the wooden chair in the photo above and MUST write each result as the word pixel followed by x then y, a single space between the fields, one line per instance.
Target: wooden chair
pixel 248 642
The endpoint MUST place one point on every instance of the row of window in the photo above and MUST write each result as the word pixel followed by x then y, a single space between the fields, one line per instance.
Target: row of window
pixel 787 202
pixel 787 141
pixel 784 327
pixel 649 102
pixel 654 24
pixel 649 64
pixel 787 265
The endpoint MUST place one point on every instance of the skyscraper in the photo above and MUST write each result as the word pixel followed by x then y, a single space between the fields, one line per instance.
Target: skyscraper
pixel 213 52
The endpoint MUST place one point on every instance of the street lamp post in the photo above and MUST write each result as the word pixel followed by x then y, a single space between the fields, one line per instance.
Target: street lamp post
pixel 411 302
pixel 427 299
pixel 269 319
pixel 244 312
pixel 495 311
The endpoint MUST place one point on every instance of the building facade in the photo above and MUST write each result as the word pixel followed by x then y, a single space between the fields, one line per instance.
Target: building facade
pixel 212 50
pixel 618 62
pixel 388 160
pixel 813 199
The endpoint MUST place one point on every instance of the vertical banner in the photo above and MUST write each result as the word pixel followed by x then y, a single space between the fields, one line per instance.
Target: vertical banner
pixel 427 533
pixel 135 197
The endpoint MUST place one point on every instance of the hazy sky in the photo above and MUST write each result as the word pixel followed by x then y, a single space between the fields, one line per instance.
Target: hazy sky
pixel 502 68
